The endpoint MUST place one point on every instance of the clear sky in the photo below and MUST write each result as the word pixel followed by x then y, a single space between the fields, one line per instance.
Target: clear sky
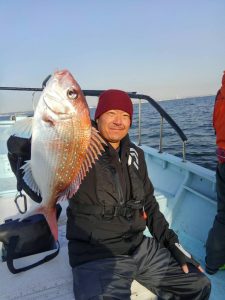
pixel 165 48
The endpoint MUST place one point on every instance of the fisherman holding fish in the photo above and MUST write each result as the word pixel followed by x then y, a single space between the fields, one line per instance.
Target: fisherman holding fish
pixel 111 198
pixel 107 217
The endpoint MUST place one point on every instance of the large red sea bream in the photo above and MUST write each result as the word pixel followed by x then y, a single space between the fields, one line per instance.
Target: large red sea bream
pixel 64 144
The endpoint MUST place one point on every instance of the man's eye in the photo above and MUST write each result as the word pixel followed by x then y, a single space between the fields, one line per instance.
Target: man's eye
pixel 126 116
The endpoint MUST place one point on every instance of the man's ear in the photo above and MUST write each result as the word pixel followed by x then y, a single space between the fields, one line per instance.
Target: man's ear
pixel 96 121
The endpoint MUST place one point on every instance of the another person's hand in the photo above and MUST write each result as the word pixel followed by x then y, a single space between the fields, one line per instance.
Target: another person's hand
pixel 183 257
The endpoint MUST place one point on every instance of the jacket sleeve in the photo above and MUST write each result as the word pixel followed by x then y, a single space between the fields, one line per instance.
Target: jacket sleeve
pixel 156 222
pixel 215 110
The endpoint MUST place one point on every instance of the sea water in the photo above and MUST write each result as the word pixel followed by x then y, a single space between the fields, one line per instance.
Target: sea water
pixel 194 117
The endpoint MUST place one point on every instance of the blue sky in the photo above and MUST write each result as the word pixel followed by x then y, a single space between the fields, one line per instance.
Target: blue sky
pixel 165 48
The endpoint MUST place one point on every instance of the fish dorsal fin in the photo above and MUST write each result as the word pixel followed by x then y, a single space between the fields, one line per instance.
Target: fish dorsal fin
pixel 22 128
pixel 94 150
pixel 28 177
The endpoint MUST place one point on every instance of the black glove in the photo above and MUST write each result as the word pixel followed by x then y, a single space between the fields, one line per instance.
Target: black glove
pixel 182 256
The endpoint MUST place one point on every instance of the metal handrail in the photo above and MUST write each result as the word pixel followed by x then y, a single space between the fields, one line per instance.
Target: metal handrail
pixel 161 135
pixel 139 122
pixel 133 95
pixel 161 111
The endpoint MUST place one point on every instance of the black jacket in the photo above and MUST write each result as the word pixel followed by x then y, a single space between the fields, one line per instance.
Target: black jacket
pixel 105 216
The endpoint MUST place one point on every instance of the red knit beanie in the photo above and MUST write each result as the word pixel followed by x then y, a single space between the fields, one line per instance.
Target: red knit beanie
pixel 114 99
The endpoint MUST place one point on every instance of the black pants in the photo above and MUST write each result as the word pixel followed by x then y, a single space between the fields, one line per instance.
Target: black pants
pixel 150 265
pixel 215 246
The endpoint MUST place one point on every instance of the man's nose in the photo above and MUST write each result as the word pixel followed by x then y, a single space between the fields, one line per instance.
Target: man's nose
pixel 117 119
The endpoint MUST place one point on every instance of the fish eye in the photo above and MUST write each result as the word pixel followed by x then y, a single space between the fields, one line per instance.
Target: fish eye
pixel 72 94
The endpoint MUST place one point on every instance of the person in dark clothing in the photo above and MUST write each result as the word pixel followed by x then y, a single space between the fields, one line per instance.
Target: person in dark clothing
pixel 108 215
pixel 215 245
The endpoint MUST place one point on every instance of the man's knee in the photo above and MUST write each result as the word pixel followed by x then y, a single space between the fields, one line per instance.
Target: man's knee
pixel 204 287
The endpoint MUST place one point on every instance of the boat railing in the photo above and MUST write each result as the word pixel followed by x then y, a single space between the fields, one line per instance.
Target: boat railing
pixel 164 115
pixel 160 110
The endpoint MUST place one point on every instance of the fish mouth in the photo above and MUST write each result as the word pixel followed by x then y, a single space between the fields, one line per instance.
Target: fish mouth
pixel 62 73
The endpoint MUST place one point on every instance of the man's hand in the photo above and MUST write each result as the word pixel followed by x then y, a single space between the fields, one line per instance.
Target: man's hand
pixel 183 257
pixel 186 270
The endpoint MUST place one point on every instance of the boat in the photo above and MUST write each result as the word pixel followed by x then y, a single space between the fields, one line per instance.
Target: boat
pixel 186 193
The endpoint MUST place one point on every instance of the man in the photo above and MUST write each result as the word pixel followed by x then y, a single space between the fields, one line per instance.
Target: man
pixel 107 217
pixel 215 246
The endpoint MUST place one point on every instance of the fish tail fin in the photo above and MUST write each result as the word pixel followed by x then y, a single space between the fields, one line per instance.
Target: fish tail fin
pixel 50 215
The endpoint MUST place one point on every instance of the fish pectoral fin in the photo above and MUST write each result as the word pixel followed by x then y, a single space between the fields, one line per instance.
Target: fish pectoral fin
pixel 94 150
pixel 22 128
pixel 28 177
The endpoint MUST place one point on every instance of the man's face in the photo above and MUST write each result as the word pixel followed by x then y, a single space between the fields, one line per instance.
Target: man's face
pixel 113 125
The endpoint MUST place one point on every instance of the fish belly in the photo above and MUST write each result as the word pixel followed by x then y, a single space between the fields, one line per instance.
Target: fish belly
pixel 56 158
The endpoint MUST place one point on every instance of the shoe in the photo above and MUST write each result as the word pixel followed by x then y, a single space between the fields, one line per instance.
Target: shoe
pixel 210 271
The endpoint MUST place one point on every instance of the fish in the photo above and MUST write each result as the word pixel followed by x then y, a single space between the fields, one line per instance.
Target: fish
pixel 64 144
